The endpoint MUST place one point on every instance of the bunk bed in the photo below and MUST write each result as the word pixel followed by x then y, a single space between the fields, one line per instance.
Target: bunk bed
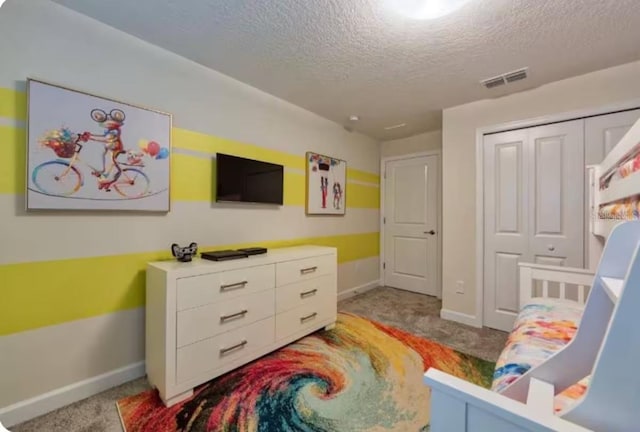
pixel 571 360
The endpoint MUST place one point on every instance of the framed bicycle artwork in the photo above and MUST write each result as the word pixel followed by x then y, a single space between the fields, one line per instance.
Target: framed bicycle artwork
pixel 92 153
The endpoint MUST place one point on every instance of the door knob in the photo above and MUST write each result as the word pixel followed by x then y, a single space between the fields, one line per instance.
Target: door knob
pixel 432 232
pixel 551 247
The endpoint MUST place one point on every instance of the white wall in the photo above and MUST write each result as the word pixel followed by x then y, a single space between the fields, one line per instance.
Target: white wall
pixel 414 144
pixel 56 268
pixel 593 90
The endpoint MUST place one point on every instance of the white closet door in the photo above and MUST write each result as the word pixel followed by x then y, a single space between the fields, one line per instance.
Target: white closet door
pixel 556 194
pixel 601 134
pixel 533 208
pixel 410 231
pixel 506 233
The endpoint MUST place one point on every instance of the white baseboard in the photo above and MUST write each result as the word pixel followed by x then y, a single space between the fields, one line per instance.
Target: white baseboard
pixel 44 403
pixel 463 318
pixel 358 290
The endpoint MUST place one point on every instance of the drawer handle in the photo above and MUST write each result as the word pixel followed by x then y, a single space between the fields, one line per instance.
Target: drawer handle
pixel 308 270
pixel 233 286
pixel 240 345
pixel 240 314
pixel 308 317
pixel 308 293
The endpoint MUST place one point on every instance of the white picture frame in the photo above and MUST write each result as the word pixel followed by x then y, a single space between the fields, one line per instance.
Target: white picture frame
pixel 326 185
pixel 86 152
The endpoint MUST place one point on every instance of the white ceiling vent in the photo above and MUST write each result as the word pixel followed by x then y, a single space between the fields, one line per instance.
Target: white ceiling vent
pixel 506 78
pixel 518 75
pixel 395 126
pixel 493 82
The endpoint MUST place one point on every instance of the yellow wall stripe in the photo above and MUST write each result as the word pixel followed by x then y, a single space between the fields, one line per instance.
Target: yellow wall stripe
pixel 13 104
pixel 190 140
pixel 294 189
pixel 361 196
pixel 39 294
pixel 354 174
pixel 13 160
pixel 192 176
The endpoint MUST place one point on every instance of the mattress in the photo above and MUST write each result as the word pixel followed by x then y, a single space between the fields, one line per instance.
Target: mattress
pixel 542 328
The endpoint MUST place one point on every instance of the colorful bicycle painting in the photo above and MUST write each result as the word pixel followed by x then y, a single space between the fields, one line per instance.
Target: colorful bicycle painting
pixel 93 164
pixel 61 177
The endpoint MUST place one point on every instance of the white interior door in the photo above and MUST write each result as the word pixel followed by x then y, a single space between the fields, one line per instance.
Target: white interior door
pixel 411 214
pixel 506 234
pixel 601 134
pixel 534 209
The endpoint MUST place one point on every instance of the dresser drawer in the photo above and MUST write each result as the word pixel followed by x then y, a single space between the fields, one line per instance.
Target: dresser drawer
pixel 305 316
pixel 208 288
pixel 306 292
pixel 210 354
pixel 304 269
pixel 206 321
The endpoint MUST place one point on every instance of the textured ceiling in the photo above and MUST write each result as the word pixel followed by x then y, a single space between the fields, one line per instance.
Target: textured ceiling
pixel 342 57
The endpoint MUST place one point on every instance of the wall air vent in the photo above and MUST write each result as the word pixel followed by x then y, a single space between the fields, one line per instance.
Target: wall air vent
pixel 505 78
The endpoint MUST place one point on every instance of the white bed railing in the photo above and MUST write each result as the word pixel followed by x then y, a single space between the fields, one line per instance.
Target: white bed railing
pixel 459 406
pixel 618 154
pixel 538 280
pixel 617 189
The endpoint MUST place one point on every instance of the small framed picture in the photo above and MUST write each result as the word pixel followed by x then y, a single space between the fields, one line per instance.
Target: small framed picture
pixel 326 185
pixel 86 152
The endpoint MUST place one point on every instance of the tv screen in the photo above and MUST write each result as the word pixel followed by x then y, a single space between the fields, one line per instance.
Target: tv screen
pixel 248 180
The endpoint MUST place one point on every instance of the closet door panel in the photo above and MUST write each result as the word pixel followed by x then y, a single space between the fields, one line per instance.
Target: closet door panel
pixel 506 265
pixel 506 233
pixel 603 132
pixel 549 154
pixel 556 198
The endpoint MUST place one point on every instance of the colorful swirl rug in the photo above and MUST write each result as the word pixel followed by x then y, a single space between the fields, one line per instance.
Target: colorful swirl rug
pixel 361 376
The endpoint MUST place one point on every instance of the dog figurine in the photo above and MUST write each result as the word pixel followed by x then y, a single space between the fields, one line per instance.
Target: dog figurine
pixel 184 254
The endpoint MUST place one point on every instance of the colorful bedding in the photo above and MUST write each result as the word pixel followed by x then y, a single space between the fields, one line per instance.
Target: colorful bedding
pixel 626 209
pixel 542 328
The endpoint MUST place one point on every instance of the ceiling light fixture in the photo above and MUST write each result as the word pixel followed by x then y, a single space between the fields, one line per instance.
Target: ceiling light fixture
pixel 424 9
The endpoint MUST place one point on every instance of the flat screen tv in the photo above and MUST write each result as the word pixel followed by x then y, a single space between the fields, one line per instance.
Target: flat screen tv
pixel 248 180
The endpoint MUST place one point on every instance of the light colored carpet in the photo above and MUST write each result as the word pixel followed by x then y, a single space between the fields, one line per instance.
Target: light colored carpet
pixel 420 315
pixel 411 312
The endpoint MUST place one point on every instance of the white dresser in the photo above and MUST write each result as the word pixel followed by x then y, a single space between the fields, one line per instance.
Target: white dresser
pixel 205 318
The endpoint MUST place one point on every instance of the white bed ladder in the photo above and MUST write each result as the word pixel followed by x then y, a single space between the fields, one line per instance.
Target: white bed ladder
pixel 606 346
